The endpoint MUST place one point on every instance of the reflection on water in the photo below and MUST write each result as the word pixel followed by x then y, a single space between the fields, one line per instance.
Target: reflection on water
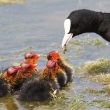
pixel 39 24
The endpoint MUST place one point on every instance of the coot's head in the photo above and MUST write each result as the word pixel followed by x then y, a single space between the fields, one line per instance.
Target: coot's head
pixel 78 22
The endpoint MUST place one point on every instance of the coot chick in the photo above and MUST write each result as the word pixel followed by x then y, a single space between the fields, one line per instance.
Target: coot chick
pixel 15 76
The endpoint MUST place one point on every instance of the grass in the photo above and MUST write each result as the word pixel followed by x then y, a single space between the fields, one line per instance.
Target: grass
pixel 94 91
pixel 103 103
pixel 102 78
pixel 99 66
pixel 76 103
pixel 76 106
pixel 107 90
pixel 98 70
pixel 95 42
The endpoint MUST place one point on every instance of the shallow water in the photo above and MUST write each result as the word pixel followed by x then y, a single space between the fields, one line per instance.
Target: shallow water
pixel 38 24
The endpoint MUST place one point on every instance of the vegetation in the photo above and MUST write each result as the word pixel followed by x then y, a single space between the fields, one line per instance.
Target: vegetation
pixel 100 66
pixel 103 103
pixel 102 78
pixel 76 103
pixel 94 91
pixel 95 42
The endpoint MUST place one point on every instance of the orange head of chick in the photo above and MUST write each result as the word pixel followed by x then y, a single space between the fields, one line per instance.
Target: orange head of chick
pixel 52 67
pixel 53 56
pixel 27 66
pixel 26 70
pixel 13 70
pixel 10 74
pixel 31 57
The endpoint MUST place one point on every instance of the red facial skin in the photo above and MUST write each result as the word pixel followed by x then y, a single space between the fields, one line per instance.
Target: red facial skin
pixel 13 70
pixel 27 66
pixel 51 64
pixel 31 57
pixel 10 74
pixel 24 70
pixel 53 55
pixel 52 68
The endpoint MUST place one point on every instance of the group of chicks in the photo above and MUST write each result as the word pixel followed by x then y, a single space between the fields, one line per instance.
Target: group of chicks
pixel 32 83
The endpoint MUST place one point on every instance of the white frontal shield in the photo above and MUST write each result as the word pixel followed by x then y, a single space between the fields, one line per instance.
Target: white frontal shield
pixel 67 36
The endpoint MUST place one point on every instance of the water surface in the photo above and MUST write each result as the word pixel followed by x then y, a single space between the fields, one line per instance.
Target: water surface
pixel 39 24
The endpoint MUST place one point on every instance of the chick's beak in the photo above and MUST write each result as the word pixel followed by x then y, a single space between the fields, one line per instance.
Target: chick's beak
pixel 51 64
pixel 66 39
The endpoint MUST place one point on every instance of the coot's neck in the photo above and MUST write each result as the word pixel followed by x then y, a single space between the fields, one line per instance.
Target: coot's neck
pixel 100 17
pixel 104 26
pixel 92 23
pixel 96 22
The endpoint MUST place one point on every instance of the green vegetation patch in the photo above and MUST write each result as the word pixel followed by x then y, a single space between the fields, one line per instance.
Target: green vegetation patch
pixel 107 90
pixel 103 103
pixel 94 91
pixel 102 78
pixel 76 103
pixel 95 42
pixel 76 106
pixel 99 66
